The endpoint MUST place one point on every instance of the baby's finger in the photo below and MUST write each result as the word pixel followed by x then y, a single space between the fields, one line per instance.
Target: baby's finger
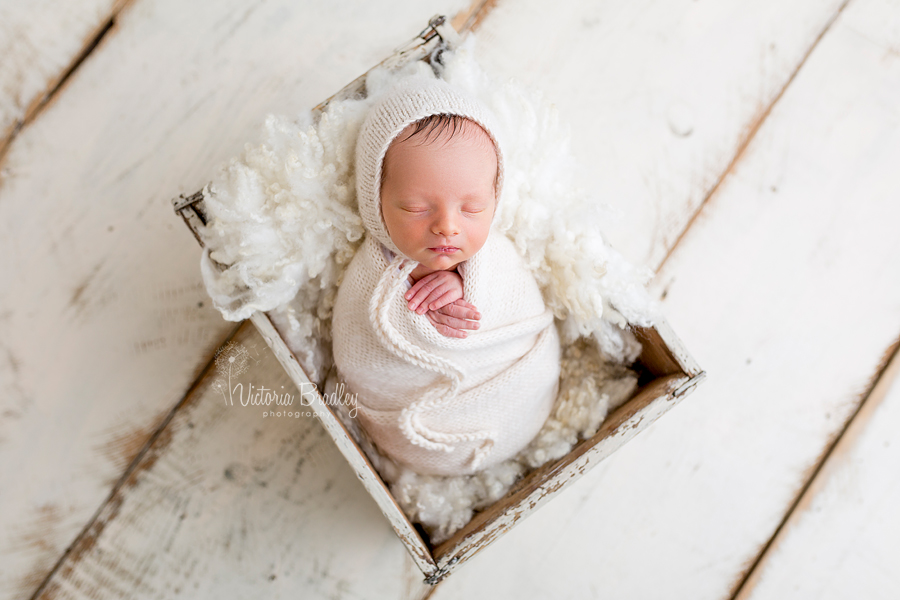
pixel 450 332
pixel 443 293
pixel 425 305
pixel 443 329
pixel 462 310
pixel 443 296
pixel 453 322
pixel 420 291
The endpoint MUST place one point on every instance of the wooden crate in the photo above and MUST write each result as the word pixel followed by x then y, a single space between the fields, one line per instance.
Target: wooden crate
pixel 667 373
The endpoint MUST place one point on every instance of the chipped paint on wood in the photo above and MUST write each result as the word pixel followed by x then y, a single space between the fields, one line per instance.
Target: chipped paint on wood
pixel 40 55
pixel 793 266
pixel 747 135
pixel 25 360
pixel 663 355
pixel 36 540
pixel 637 88
pixel 84 216
pixel 541 485
pixel 471 18
pixel 883 379
pixel 124 443
pixel 349 448
pixel 227 503
pixel 796 550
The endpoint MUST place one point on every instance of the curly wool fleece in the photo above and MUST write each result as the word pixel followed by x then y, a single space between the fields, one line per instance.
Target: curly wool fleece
pixel 283 216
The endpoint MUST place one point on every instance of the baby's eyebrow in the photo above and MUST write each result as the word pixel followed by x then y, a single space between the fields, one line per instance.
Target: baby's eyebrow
pixel 475 197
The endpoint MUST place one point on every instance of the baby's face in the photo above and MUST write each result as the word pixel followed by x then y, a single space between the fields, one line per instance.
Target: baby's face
pixel 438 195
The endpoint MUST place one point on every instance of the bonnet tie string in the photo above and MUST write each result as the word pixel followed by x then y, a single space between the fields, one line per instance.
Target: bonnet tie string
pixel 410 422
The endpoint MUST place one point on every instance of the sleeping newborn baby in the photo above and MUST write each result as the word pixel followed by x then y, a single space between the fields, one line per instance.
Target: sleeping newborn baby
pixel 439 328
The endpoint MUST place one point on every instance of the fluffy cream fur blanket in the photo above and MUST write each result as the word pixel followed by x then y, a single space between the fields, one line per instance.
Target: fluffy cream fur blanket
pixel 283 215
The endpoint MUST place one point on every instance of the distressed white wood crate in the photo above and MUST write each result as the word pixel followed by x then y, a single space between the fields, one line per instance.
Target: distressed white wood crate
pixel 667 374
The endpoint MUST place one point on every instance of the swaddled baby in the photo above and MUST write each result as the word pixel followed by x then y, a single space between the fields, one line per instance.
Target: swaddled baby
pixel 439 329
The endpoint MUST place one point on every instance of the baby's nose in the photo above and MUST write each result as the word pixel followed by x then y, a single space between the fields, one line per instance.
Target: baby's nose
pixel 446 224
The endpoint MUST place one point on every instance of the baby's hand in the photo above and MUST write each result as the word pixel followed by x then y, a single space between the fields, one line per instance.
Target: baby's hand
pixel 453 319
pixel 435 291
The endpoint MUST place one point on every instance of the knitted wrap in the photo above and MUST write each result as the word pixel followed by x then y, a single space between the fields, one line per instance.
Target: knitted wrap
pixel 440 405
pixel 411 101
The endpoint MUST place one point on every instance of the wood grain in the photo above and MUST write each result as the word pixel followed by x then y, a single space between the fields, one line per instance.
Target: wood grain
pixel 104 321
pixel 42 43
pixel 843 539
pixel 785 290
pixel 660 96
pixel 238 500
pixel 102 332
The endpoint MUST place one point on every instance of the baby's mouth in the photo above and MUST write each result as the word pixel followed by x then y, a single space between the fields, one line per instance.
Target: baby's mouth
pixel 444 249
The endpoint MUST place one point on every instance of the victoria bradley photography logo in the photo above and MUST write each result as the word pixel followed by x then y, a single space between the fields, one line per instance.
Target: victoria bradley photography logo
pixel 233 359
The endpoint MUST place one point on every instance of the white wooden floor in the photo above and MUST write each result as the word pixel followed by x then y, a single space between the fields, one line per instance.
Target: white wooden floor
pixel 749 153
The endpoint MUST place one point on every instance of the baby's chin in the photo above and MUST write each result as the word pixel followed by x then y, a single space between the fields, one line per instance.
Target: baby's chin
pixel 441 262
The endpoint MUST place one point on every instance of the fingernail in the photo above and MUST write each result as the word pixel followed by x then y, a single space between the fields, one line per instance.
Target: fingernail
pixel 413 305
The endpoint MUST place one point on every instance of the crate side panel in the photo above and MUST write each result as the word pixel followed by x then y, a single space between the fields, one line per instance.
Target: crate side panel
pixel 348 448
pixel 622 425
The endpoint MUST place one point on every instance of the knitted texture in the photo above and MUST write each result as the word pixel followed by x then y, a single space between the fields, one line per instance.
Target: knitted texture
pixel 284 215
pixel 436 404
pixel 412 100
pixel 440 405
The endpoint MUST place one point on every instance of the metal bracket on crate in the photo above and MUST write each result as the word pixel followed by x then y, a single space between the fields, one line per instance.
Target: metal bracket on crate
pixel 436 577
pixel 438 27
pixel 689 385
pixel 182 202
pixel 441 27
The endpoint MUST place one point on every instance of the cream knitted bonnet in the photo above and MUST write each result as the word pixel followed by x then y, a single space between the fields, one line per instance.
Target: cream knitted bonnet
pixel 410 101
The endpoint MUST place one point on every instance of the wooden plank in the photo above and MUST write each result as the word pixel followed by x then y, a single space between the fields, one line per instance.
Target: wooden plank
pixel 660 95
pixel 843 540
pixel 104 321
pixel 41 42
pixel 785 289
pixel 229 502
pixel 354 455
pixel 192 159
